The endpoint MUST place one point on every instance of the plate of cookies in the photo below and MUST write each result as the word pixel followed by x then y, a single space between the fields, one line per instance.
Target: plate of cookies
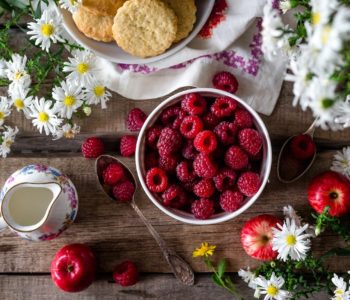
pixel 136 31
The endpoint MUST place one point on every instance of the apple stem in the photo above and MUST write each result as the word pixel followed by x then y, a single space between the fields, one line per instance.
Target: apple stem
pixel 70 268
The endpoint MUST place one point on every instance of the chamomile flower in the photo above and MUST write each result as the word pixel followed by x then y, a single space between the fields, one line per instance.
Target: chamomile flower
pixel 69 98
pixel 341 162
pixel 285 5
pixel 68 131
pixel 5 109
pixel 44 116
pixel 7 139
pixel 271 288
pixel 70 5
pixel 248 277
pixel 20 99
pixel 340 293
pixel 291 241
pixel 96 93
pixel 16 71
pixel 82 67
pixel 342 113
pixel 47 29
pixel 322 10
pixel 2 68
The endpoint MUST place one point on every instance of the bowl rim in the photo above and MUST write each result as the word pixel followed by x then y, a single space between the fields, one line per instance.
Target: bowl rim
pixel 227 216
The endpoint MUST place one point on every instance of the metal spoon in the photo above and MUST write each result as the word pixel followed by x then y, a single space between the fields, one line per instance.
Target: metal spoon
pixel 283 159
pixel 181 269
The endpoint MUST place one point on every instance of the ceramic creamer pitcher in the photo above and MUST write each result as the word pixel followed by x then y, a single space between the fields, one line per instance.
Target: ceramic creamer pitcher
pixel 38 203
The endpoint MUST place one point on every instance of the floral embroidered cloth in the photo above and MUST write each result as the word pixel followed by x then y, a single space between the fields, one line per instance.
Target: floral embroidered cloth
pixel 231 40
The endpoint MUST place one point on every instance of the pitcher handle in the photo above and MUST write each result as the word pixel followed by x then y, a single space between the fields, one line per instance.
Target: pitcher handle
pixel 3 224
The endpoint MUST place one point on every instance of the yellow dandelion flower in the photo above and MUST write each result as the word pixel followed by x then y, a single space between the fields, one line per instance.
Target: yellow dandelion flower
pixel 204 250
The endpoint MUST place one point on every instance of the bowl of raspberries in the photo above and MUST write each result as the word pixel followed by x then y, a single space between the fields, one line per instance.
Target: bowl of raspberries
pixel 203 156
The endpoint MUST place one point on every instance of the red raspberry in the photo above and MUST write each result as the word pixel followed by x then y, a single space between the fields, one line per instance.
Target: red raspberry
pixel 205 141
pixel 151 160
pixel 249 183
pixel 188 150
pixel 225 81
pixel 156 180
pixel 128 145
pixel 204 166
pixel 126 274
pixel 210 120
pixel 174 197
pixel 188 186
pixel 203 208
pixel 302 147
pixel 223 107
pixel 93 147
pixel 172 116
pixel 124 191
pixel 204 188
pixel 226 132
pixel 168 163
pixel 250 140
pixel 169 141
pixel 231 200
pixel 236 158
pixel 184 171
pixel 113 173
pixel 152 136
pixel 135 119
pixel 194 104
pixel 257 157
pixel 225 179
pixel 191 126
pixel 243 118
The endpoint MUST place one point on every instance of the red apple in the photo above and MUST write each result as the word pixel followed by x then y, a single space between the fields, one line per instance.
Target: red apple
pixel 330 189
pixel 73 268
pixel 256 237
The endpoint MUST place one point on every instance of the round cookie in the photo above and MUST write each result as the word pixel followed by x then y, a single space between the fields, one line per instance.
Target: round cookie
pixel 103 7
pixel 185 11
pixel 145 28
pixel 98 28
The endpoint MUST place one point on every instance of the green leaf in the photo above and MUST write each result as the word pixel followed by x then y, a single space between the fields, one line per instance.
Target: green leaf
pixel 37 12
pixel 216 280
pixel 221 267
pixel 5 5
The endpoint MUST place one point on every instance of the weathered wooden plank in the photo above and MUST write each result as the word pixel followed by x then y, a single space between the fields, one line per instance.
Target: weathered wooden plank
pixel 115 233
pixel 152 286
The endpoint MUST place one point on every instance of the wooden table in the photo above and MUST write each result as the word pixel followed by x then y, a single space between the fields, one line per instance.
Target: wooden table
pixel 116 233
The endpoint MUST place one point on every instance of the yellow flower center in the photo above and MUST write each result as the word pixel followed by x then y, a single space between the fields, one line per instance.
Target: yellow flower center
pixel 99 90
pixel 69 101
pixel 47 29
pixel 43 117
pixel 2 115
pixel 18 75
pixel 291 240
pixel 316 18
pixel 272 290
pixel 8 143
pixel 339 292
pixel 82 68
pixel 18 103
pixel 72 2
pixel 326 32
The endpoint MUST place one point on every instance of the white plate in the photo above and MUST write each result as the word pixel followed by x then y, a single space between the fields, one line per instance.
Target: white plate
pixel 115 54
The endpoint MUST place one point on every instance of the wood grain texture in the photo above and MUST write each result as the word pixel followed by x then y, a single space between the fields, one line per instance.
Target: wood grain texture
pixel 152 286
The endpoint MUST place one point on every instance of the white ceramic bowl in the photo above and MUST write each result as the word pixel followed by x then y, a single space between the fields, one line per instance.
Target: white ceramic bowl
pixel 184 216
pixel 115 54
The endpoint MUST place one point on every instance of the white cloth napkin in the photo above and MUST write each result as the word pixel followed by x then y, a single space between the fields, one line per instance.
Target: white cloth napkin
pixel 234 46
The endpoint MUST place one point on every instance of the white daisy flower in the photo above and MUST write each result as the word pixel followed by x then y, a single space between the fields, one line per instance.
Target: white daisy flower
pixel 70 5
pixel 248 277
pixel 82 67
pixel 7 139
pixel 96 93
pixel 44 116
pixel 290 213
pixel 16 71
pixel 341 162
pixel 290 240
pixel 47 29
pixel 5 109
pixel 272 288
pixel 69 98
pixel 2 68
pixel 87 110
pixel 342 113
pixel 68 131
pixel 322 10
pixel 340 292
pixel 20 99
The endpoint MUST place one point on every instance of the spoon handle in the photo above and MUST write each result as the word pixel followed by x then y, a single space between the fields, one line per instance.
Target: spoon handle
pixel 180 268
pixel 312 128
